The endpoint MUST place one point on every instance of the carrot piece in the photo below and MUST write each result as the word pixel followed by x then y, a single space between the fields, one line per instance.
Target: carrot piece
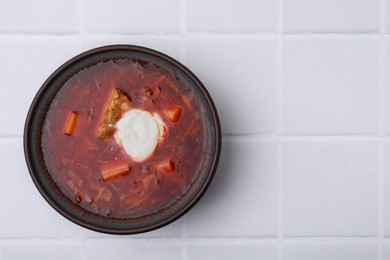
pixel 167 166
pixel 173 113
pixel 111 171
pixel 71 123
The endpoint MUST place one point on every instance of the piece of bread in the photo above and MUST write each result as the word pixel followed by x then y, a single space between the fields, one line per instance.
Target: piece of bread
pixel 118 104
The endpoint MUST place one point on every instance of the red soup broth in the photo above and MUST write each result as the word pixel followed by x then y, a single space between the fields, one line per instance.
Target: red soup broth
pixel 75 161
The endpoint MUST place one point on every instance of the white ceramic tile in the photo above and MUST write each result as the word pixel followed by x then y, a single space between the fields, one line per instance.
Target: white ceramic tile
pixel 386 251
pixel 39 16
pixel 387 86
pixel 231 250
pixel 386 188
pixel 122 16
pixel 27 214
pixel 231 15
pixel 113 248
pixel 242 199
pixel 42 250
pixel 167 45
pixel 241 75
pixel 331 251
pixel 331 86
pixel 330 188
pixel 387 15
pixel 29 63
pixel 331 16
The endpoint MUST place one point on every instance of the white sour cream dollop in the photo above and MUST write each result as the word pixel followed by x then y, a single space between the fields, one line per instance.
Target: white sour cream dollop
pixel 139 132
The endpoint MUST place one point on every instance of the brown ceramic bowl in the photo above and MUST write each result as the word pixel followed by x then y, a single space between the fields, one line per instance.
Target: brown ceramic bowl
pixel 71 210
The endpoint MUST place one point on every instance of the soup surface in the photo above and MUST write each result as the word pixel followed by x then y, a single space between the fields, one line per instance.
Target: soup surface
pixel 97 173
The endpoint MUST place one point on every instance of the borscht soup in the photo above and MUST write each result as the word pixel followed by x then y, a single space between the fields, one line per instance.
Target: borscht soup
pixel 125 138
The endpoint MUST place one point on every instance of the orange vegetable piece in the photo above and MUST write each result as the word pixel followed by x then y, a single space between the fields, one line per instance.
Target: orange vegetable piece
pixel 173 113
pixel 167 166
pixel 111 171
pixel 71 123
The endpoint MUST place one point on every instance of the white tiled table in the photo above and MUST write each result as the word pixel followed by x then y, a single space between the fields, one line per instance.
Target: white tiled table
pixel 303 92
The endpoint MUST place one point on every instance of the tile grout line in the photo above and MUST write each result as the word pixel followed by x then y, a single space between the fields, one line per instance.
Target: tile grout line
pixel 320 240
pixel 380 235
pixel 185 33
pixel 382 131
pixel 381 128
pixel 280 130
pixel 279 31
pixel 262 239
pixel 280 200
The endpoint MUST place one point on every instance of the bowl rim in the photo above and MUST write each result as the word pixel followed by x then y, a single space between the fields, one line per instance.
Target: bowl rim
pixel 27 142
